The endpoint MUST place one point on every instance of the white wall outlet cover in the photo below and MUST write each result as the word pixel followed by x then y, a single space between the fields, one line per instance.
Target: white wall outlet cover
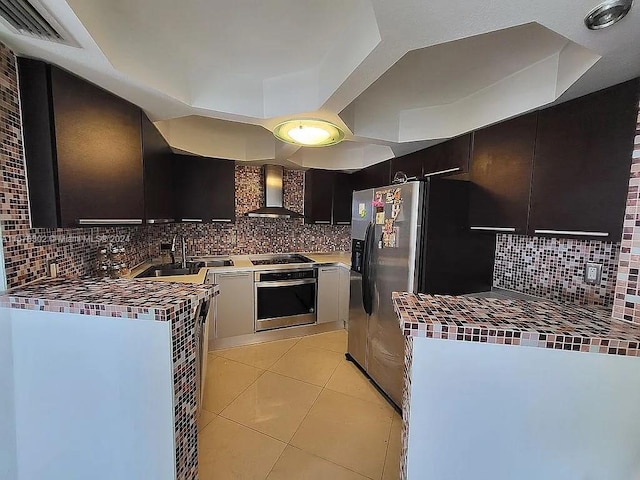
pixel 593 273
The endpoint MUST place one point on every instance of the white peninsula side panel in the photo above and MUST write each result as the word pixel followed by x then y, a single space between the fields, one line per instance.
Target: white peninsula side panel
pixel 500 412
pixel 93 397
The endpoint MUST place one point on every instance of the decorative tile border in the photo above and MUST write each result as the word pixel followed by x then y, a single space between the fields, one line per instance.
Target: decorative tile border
pixel 516 322
pixel 406 405
pixel 162 301
pixel 554 268
pixel 627 294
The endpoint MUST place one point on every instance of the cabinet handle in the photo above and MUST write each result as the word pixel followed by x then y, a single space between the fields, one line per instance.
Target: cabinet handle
pixel 322 222
pixel 494 229
pixel 153 221
pixel 328 269
pixel 110 221
pixel 572 232
pixel 229 275
pixel 221 220
pixel 440 172
pixel 343 223
pixel 197 220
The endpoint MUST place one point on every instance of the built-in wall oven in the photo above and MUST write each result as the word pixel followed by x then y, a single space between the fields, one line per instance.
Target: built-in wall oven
pixel 285 298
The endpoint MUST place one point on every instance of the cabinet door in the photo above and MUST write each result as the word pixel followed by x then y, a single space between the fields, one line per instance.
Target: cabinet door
pixel 158 174
pixel 501 166
pixel 235 312
pixel 410 165
pixel 342 197
pixel 328 308
pixel 582 164
pixel 378 175
pixel 448 158
pixel 99 152
pixel 205 189
pixel 344 292
pixel 318 196
pixel 38 144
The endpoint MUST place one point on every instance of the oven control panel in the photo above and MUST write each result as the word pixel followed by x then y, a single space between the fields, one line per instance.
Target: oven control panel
pixel 287 275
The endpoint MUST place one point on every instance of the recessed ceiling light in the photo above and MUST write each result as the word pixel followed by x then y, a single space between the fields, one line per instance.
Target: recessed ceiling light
pixel 607 13
pixel 309 133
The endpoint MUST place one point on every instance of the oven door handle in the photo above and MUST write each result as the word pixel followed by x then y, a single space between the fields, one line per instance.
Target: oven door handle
pixel 285 283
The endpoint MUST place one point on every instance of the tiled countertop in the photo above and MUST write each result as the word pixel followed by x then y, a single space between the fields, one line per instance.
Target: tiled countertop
pixel 174 303
pixel 542 324
pixel 107 297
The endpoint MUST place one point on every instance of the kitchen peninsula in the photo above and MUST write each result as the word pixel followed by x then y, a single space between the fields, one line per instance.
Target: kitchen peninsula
pixel 109 367
pixel 567 408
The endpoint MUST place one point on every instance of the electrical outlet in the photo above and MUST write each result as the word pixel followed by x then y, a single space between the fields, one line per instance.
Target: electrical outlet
pixel 593 273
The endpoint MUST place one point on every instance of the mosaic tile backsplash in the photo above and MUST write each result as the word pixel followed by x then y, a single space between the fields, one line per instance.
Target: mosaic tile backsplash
pixel 28 252
pixel 627 297
pixel 257 235
pixel 554 268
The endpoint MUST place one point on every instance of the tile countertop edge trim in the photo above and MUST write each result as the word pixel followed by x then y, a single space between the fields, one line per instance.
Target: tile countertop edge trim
pixel 106 309
pixel 621 343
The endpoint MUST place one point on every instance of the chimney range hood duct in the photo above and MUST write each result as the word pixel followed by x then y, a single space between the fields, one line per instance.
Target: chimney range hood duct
pixel 273 204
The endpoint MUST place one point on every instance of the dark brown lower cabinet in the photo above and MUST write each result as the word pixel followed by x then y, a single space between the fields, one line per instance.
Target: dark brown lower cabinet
pixel 582 164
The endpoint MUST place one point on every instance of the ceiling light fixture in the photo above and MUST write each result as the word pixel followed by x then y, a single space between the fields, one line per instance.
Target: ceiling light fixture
pixel 607 13
pixel 309 133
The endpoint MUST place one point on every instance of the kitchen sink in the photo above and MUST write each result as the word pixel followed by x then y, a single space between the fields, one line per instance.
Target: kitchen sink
pixel 171 269
pixel 214 261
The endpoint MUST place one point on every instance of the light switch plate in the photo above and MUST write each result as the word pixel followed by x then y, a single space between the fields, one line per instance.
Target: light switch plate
pixel 593 273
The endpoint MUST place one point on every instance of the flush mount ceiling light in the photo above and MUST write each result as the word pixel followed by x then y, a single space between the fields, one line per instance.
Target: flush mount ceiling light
pixel 309 133
pixel 607 13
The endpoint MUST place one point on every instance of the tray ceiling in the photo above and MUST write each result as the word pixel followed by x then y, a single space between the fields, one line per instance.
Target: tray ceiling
pixel 218 76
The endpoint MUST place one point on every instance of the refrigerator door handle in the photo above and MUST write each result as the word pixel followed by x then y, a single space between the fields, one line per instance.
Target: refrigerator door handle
pixel 367 299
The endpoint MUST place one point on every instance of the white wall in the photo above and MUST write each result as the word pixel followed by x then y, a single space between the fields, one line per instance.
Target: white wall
pixel 93 397
pixel 7 412
pixel 495 412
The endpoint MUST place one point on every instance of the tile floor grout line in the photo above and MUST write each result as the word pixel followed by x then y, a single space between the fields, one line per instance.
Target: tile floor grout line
pixel 265 343
pixel 245 389
pixel 319 456
pixel 386 453
pixel 330 461
pixel 253 429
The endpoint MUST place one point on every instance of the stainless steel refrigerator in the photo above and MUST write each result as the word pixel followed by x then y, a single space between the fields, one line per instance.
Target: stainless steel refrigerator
pixel 411 237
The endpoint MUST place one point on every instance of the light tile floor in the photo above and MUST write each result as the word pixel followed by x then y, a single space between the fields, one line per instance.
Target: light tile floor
pixel 295 409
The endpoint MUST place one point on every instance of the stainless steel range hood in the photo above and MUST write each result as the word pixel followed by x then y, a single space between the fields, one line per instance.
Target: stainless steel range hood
pixel 273 200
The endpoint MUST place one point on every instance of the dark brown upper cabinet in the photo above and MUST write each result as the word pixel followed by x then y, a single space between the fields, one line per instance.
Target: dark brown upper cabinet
pixel 501 169
pixel 318 196
pixel 159 199
pixel 410 164
pixel 445 159
pixel 204 189
pixel 342 198
pixel 83 150
pixel 377 175
pixel 582 164
pixel 327 197
pixel 448 158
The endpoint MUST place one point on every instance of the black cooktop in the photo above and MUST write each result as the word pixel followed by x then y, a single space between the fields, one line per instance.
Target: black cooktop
pixel 280 260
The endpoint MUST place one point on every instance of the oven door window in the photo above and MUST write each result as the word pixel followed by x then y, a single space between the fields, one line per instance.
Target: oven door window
pixel 286 301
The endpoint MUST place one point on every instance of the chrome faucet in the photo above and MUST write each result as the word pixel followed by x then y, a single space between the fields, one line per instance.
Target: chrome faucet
pixel 172 252
pixel 184 250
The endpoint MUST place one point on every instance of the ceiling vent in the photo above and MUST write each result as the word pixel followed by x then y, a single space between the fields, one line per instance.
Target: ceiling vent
pixel 33 20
